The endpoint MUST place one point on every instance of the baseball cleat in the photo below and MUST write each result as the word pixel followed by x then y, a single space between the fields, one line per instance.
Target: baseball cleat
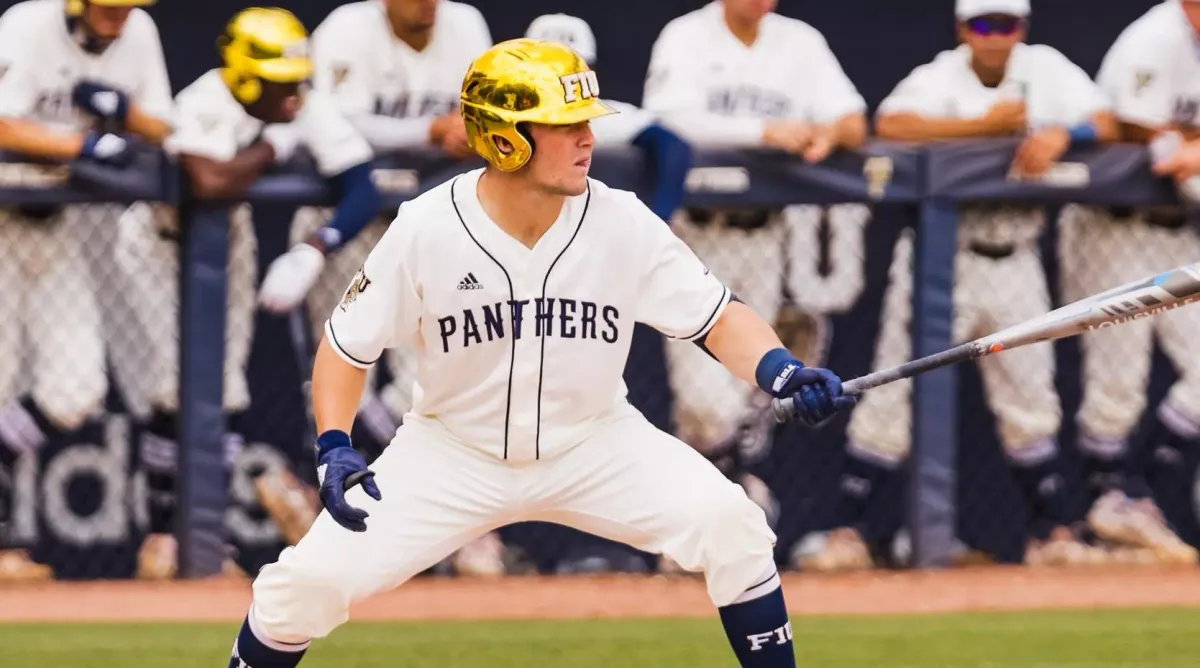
pixel 17 566
pixel 292 505
pixel 1063 548
pixel 1117 518
pixel 839 550
pixel 482 557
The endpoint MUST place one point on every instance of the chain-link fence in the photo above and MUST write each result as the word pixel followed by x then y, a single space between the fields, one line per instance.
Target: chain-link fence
pixel 1053 439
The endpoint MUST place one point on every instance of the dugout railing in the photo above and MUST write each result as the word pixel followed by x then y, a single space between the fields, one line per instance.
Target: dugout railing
pixel 911 186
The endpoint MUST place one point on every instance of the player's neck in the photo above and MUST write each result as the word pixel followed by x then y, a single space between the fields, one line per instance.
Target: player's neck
pixel 745 31
pixel 523 213
pixel 989 77
pixel 418 39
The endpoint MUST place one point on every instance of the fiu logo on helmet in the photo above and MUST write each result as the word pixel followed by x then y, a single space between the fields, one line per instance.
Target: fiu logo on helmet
pixel 580 86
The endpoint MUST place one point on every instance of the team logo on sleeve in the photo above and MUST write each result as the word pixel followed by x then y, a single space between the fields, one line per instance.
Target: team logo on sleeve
pixel 357 286
pixel 580 86
pixel 1142 80
pixel 340 72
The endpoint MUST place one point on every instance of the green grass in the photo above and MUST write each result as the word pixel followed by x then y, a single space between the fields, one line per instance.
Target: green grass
pixel 1161 638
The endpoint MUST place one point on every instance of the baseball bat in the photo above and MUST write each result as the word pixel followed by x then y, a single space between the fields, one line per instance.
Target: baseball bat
pixel 1133 301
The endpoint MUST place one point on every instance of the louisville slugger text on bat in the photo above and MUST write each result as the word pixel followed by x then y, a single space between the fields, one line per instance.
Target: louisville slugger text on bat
pixel 1133 301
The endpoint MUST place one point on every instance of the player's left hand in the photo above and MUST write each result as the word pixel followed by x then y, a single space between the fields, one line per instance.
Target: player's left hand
pixel 101 101
pixel 820 146
pixel 815 392
pixel 1040 150
pixel 339 468
pixel 290 277
pixel 1181 164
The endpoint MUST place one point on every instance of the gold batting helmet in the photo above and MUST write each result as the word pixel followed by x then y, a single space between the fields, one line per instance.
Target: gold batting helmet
pixel 75 7
pixel 263 43
pixel 525 81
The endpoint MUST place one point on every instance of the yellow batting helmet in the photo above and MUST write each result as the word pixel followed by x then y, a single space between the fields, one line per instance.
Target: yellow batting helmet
pixel 263 43
pixel 525 81
pixel 75 7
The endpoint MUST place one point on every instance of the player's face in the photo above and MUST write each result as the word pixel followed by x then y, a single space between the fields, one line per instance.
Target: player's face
pixel 416 15
pixel 562 157
pixel 278 103
pixel 106 22
pixel 992 37
pixel 750 11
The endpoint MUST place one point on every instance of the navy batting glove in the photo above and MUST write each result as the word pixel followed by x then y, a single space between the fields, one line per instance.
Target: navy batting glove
pixel 339 468
pixel 816 393
pixel 101 101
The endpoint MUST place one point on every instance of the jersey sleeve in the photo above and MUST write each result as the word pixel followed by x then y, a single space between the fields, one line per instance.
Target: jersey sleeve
pixel 201 130
pixel 332 140
pixel 673 93
pixel 154 97
pixel 1077 97
pixel 681 298
pixel 918 93
pixel 18 86
pixel 340 68
pixel 836 95
pixel 381 308
pixel 1135 78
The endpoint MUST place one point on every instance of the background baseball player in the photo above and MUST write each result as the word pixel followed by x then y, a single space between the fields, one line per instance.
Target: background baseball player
pixel 992 85
pixel 734 74
pixel 232 124
pixel 1152 78
pixel 521 411
pixel 393 68
pixel 78 77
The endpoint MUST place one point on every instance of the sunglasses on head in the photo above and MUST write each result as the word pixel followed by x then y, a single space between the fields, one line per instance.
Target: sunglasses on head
pixel 995 24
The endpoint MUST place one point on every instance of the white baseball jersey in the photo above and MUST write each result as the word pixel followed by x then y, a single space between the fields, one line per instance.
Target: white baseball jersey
pixel 367 69
pixel 45 62
pixel 1152 71
pixel 521 351
pixel 701 78
pixel 212 124
pixel 1055 91
pixel 622 127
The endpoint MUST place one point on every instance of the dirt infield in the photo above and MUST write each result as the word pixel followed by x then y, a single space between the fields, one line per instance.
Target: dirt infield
pixel 982 588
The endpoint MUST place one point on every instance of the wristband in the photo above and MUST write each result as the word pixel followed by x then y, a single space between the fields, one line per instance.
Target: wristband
pixel 773 370
pixel 1083 133
pixel 332 440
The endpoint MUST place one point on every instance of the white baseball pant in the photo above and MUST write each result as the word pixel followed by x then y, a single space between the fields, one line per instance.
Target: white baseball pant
pixel 1098 253
pixel 52 336
pixel 989 295
pixel 439 494
pixel 148 254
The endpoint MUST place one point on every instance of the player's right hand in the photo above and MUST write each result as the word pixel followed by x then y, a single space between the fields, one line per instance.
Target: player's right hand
pixel 339 468
pixel 1006 118
pixel 106 147
pixel 101 101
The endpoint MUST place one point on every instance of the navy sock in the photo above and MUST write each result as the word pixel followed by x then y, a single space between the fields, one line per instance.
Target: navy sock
pixel 759 631
pixel 250 652
pixel 1044 490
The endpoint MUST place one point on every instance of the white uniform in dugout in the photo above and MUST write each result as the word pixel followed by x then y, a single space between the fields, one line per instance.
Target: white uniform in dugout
pixel 212 124
pixel 715 91
pixel 520 407
pixel 999 279
pixel 60 335
pixel 1152 75
pixel 392 93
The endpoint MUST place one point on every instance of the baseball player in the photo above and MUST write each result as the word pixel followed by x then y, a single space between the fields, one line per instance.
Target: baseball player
pixel 521 411
pixel 76 80
pixel 667 152
pixel 393 68
pixel 992 85
pixel 1151 76
pixel 232 124
pixel 729 75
